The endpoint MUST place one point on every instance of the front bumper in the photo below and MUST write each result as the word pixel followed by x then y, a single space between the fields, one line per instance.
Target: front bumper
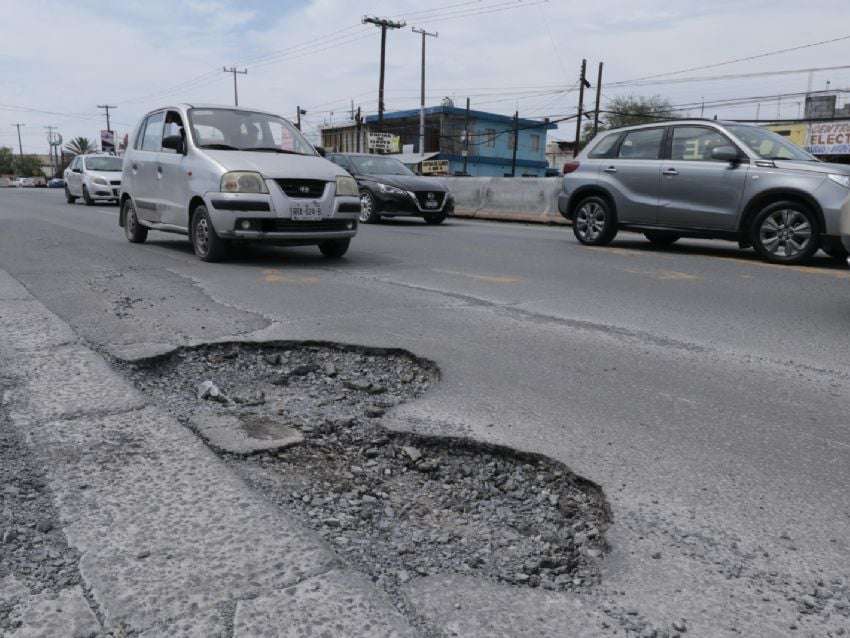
pixel 406 204
pixel 269 216
pixel 100 191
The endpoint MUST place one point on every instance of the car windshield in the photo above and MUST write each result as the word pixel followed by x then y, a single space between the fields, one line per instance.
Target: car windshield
pixel 378 165
pixel 231 129
pixel 769 145
pixel 109 164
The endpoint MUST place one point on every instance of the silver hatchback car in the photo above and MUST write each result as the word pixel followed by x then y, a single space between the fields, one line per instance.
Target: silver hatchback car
pixel 717 180
pixel 222 174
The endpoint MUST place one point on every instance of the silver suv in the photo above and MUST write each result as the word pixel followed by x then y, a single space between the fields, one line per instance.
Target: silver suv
pixel 717 180
pixel 223 174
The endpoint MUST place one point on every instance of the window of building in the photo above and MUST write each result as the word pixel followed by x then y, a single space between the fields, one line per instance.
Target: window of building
pixel 535 143
pixel 490 137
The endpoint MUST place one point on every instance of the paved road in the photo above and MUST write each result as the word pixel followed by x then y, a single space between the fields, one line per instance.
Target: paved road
pixel 705 391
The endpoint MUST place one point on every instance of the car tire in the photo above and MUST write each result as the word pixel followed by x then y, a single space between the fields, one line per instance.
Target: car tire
pixel 785 232
pixel 133 230
pixel 833 247
pixel 368 212
pixel 661 238
pixel 206 243
pixel 334 248
pixel 68 197
pixel 435 220
pixel 87 198
pixel 594 221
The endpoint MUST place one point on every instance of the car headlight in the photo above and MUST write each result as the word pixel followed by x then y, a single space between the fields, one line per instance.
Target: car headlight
pixel 103 182
pixel 390 190
pixel 346 186
pixel 844 180
pixel 243 182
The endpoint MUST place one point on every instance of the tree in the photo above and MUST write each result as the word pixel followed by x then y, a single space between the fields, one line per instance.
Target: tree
pixel 630 110
pixel 28 166
pixel 7 161
pixel 79 146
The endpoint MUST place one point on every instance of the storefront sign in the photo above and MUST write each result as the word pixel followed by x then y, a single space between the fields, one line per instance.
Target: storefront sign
pixel 383 142
pixel 435 167
pixel 829 138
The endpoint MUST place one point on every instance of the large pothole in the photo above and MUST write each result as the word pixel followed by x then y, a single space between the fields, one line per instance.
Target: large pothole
pixel 396 505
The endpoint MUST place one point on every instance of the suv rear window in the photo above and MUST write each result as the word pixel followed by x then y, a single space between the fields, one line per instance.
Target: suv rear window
pixel 605 146
pixel 642 144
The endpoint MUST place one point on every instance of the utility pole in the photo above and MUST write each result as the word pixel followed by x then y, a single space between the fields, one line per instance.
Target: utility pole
pixel 598 100
pixel 358 119
pixel 384 24
pixel 106 107
pixel 52 148
pixel 20 145
pixel 424 34
pixel 702 108
pixel 758 110
pixel 298 113
pixel 516 139
pixel 234 71
pixel 581 86
pixel 466 138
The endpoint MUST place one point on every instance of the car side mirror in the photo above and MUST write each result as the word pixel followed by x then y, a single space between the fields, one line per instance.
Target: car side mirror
pixel 321 151
pixel 175 143
pixel 76 170
pixel 725 154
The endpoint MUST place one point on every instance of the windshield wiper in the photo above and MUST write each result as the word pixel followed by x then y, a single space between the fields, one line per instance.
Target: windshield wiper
pixel 220 147
pixel 273 149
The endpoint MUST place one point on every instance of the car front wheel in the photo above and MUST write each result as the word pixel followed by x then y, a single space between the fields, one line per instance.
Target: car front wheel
pixel 594 222
pixel 368 215
pixel 334 248
pixel 68 197
pixel 206 243
pixel 87 198
pixel 785 233
pixel 134 231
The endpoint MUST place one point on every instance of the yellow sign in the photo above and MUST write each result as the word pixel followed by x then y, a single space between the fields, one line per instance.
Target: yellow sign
pixel 796 133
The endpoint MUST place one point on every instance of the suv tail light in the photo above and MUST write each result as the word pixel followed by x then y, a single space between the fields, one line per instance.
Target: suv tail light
pixel 569 167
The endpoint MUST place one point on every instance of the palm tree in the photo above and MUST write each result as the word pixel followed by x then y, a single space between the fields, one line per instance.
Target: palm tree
pixel 79 146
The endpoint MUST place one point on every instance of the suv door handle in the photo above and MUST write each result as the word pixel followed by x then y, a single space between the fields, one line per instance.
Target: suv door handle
pixel 670 171
pixel 610 169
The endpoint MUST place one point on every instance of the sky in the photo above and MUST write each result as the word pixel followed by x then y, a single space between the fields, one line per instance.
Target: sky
pixel 60 60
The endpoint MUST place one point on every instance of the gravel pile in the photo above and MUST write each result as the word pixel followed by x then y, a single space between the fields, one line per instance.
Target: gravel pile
pixel 396 505
pixel 33 549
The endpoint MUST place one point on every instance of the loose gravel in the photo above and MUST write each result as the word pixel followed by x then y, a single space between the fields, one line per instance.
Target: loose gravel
pixel 396 505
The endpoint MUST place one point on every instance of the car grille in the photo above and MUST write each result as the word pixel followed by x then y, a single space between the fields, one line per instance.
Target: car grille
pixel 290 226
pixel 423 198
pixel 115 182
pixel 306 188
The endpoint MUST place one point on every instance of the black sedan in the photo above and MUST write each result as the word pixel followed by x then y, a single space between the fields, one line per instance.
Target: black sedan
pixel 389 189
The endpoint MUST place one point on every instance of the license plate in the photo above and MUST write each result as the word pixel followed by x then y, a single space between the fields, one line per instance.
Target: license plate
pixel 305 211
pixel 432 204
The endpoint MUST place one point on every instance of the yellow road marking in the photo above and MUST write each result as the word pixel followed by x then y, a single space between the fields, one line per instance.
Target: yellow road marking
pixel 277 277
pixel 490 279
pixel 665 275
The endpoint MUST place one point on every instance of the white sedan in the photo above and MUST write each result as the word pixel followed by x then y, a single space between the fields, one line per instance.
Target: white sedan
pixel 94 177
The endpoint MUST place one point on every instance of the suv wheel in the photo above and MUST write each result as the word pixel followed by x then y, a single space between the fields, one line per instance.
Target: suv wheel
pixel 367 208
pixel 594 222
pixel 661 238
pixel 206 243
pixel 334 248
pixel 135 232
pixel 87 198
pixel 785 233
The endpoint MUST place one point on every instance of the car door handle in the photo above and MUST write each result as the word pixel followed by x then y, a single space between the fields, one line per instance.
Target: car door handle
pixel 670 171
pixel 610 169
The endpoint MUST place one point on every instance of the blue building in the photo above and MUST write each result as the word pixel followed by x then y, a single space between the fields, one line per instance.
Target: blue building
pixel 490 146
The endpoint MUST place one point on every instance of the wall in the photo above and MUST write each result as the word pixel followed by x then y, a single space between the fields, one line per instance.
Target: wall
pixel 528 199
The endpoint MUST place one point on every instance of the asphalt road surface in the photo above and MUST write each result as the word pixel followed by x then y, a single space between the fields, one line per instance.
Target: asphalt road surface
pixel 705 391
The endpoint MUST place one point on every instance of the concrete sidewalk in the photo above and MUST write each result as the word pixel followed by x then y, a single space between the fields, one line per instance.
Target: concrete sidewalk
pixel 171 542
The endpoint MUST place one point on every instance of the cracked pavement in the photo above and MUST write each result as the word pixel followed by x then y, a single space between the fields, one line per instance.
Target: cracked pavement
pixel 704 391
